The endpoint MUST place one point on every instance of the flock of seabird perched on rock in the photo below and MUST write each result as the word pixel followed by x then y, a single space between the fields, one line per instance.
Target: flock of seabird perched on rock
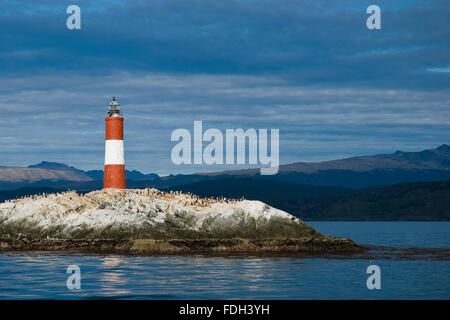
pixel 187 198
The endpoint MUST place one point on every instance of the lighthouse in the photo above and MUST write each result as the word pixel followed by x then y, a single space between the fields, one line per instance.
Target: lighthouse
pixel 114 175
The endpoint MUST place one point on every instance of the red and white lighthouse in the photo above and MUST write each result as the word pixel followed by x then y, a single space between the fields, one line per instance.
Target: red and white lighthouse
pixel 114 174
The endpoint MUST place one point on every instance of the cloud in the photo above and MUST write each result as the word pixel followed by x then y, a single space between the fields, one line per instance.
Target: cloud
pixel 308 42
pixel 443 69
pixel 310 68
pixel 61 118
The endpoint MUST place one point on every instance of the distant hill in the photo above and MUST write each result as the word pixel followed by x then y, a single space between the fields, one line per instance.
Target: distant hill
pixel 257 189
pixel 431 159
pixel 27 191
pixel 54 166
pixel 361 172
pixel 355 173
pixel 419 201
pixel 56 175
pixel 361 179
pixel 43 171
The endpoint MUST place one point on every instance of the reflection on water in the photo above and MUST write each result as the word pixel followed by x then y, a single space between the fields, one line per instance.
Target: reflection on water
pixel 113 280
pixel 43 276
pixel 160 277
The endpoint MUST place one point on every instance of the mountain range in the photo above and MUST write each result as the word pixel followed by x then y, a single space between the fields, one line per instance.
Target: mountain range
pixel 397 186
pixel 363 171
pixel 431 159
pixel 55 174
pixel 356 172
pixel 414 201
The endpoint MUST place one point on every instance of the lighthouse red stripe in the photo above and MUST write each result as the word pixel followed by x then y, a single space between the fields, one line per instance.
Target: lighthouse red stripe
pixel 114 128
pixel 114 176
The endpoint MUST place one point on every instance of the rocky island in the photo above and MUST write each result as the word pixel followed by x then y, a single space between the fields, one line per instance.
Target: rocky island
pixel 148 221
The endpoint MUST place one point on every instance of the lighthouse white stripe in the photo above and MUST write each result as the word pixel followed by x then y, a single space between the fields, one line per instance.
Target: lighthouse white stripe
pixel 114 152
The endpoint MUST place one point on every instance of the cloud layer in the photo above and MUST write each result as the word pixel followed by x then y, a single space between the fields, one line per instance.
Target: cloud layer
pixel 309 68
pixel 61 119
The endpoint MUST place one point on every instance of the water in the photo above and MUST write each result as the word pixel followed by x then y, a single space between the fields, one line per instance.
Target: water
pixel 401 234
pixel 43 276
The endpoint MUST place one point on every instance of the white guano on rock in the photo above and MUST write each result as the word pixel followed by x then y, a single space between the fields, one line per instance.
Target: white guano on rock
pixel 145 214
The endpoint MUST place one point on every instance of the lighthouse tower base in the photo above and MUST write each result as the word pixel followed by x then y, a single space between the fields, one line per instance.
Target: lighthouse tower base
pixel 114 176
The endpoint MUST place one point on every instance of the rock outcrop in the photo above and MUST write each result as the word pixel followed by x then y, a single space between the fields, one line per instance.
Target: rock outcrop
pixel 150 221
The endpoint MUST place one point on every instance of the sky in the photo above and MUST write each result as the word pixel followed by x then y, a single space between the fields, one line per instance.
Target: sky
pixel 311 69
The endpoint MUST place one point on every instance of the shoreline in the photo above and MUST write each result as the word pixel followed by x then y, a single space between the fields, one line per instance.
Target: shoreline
pixel 343 249
pixel 310 246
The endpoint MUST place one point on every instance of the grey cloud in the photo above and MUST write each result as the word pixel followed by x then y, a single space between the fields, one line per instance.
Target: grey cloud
pixel 62 119
pixel 308 42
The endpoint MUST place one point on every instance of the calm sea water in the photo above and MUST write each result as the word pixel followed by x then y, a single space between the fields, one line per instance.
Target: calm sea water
pixel 43 276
